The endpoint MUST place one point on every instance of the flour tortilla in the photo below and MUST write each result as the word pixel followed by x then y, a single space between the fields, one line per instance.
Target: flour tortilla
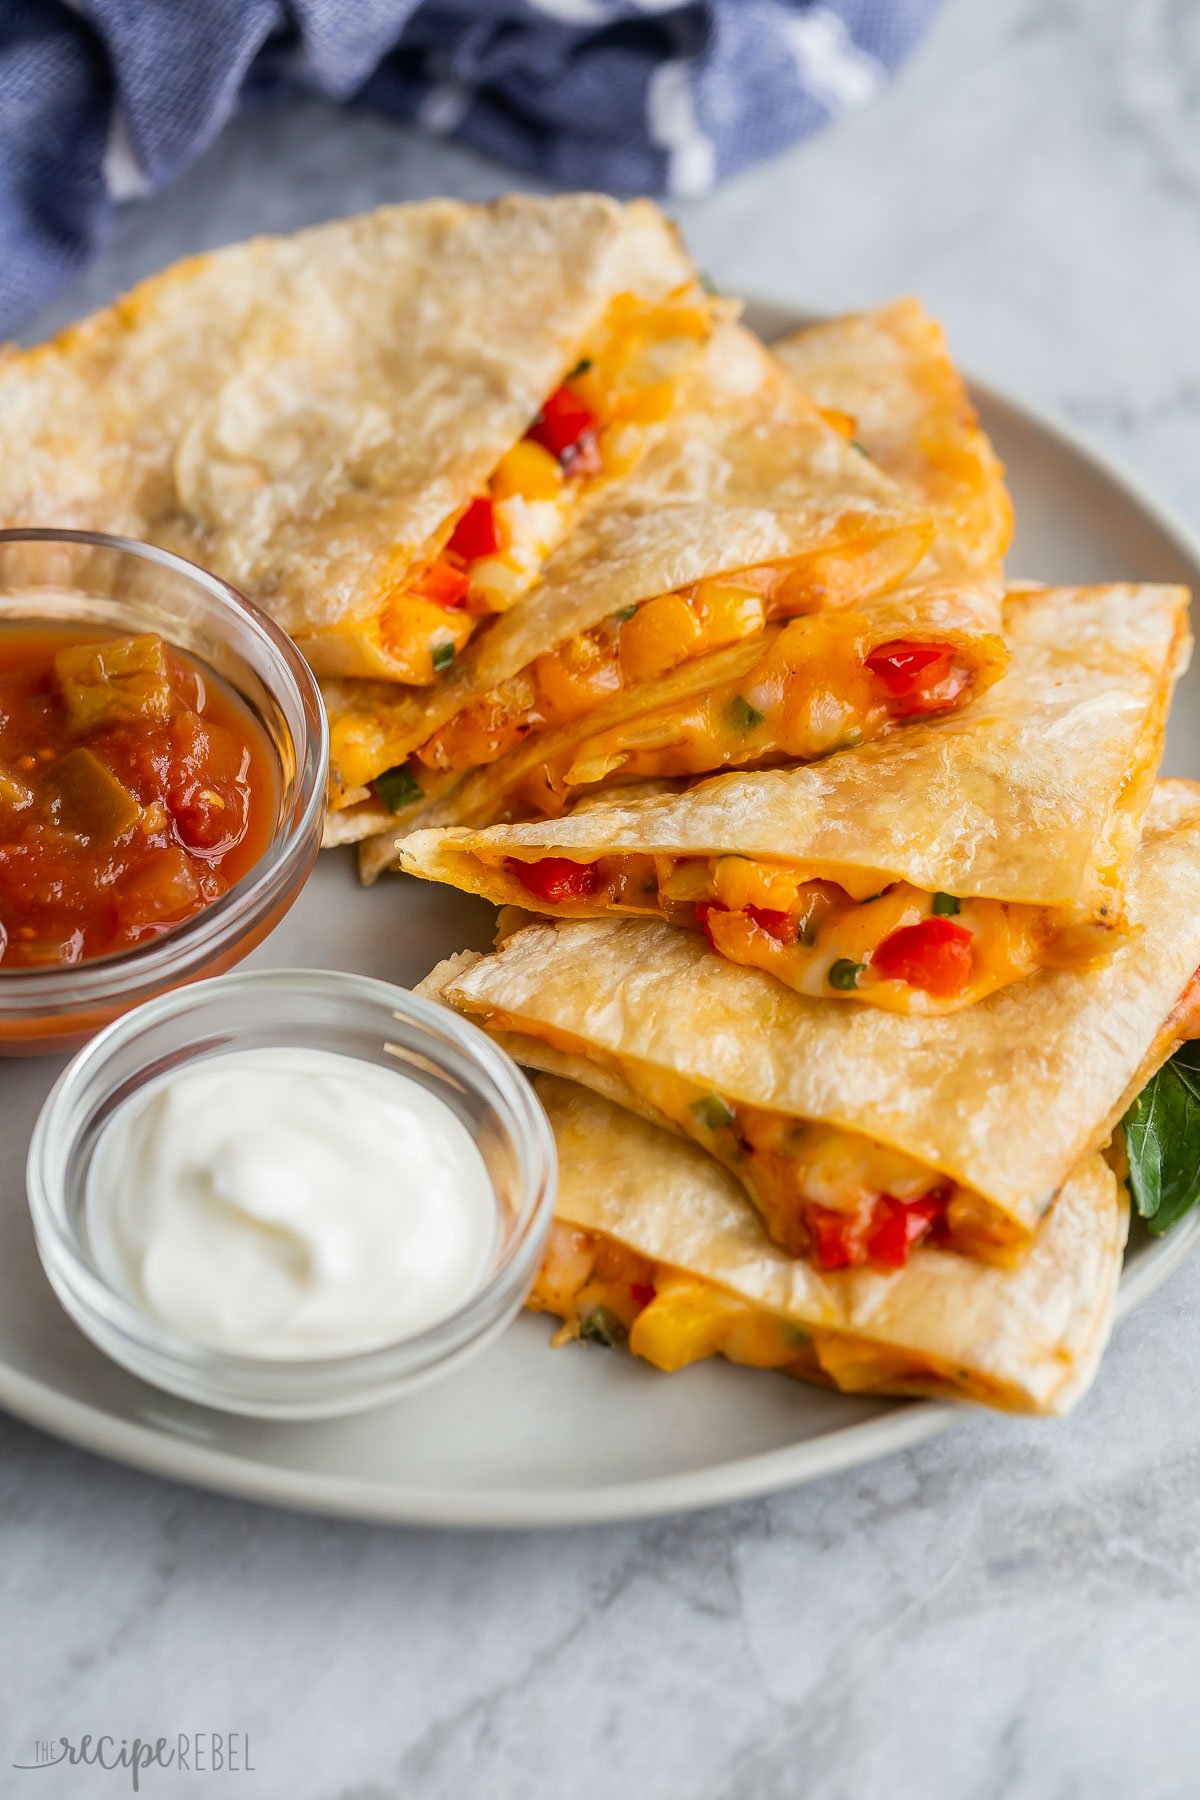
pixel 890 372
pixel 304 414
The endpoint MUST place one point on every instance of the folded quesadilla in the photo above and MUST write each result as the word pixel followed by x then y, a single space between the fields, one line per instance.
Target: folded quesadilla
pixel 792 692
pixel 377 428
pixel 918 872
pixel 749 510
pixel 654 1245
pixel 859 1133
pixel 888 376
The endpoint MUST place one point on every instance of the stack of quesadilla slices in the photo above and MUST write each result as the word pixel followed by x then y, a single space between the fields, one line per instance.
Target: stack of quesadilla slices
pixel 835 1042
pixel 862 923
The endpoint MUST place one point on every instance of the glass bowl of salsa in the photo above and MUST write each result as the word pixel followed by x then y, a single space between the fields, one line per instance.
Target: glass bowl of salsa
pixel 163 753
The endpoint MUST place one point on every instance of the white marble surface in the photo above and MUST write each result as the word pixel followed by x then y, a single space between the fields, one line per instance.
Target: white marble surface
pixel 1013 1610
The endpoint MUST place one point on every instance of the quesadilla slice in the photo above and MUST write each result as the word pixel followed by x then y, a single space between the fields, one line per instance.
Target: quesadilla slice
pixel 792 692
pixel 860 1133
pixel 750 509
pixel 653 1245
pixel 887 376
pixel 918 872
pixel 377 428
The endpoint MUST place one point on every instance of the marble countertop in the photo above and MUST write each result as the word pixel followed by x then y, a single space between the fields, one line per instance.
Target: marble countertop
pixel 1011 1610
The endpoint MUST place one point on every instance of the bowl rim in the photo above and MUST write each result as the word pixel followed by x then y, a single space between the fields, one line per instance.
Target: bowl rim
pixel 72 987
pixel 220 1377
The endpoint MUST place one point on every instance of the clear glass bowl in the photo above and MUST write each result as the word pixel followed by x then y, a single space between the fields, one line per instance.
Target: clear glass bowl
pixel 122 586
pixel 356 1017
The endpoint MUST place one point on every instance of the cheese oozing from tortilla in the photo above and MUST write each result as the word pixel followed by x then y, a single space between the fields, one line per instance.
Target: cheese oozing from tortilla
pixel 604 1292
pixel 831 939
pixel 625 380
pixel 638 644
pixel 833 1196
pixel 804 688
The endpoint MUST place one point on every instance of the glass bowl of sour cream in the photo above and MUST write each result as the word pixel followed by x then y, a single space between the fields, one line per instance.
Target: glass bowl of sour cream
pixel 293 1193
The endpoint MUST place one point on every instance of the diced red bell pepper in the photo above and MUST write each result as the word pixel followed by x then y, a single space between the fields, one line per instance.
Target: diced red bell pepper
pixel 443 583
pixel 934 955
pixel 567 429
pixel 555 878
pixel 838 1237
pixel 898 1226
pixel 779 925
pixel 476 533
pixel 641 1293
pixel 913 674
pixel 702 909
pixel 885 1236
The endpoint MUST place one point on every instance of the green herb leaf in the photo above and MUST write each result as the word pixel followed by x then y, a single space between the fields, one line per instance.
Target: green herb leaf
pixel 1162 1140
pixel 744 716
pixel 712 1112
pixel 626 613
pixel 443 656
pixel 600 1326
pixel 945 906
pixel 396 788
pixel 581 367
pixel 861 448
pixel 844 974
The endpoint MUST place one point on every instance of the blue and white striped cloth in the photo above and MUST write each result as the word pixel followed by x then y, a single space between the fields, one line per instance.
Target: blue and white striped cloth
pixel 101 100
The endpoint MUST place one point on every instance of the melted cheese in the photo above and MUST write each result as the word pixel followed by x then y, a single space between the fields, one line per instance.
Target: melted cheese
pixel 829 925
pixel 809 693
pixel 789 1165
pixel 688 1319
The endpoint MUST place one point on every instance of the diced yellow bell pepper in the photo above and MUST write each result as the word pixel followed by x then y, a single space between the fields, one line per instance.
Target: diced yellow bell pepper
pixel 527 470
pixel 685 1322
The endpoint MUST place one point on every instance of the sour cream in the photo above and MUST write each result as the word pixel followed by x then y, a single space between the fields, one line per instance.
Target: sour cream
pixel 291 1203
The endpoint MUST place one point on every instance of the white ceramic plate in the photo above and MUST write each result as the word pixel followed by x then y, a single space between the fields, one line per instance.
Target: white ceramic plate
pixel 525 1436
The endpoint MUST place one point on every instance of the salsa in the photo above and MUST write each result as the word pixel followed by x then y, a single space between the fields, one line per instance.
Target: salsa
pixel 135 789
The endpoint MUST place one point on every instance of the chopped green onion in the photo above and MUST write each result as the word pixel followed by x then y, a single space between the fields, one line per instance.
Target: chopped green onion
pixel 581 367
pixel 861 448
pixel 707 283
pixel 443 656
pixel 945 906
pixel 744 716
pixel 844 974
pixel 712 1112
pixel 600 1326
pixel 396 788
pixel 626 613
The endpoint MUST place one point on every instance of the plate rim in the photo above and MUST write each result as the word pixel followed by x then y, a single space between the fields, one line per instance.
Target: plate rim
pixel 156 1451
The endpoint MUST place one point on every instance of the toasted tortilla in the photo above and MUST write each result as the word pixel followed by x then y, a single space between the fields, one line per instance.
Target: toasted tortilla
pixel 966 613
pixel 306 415
pixel 890 373
pixel 1026 1339
pixel 1004 1098
pixel 745 473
